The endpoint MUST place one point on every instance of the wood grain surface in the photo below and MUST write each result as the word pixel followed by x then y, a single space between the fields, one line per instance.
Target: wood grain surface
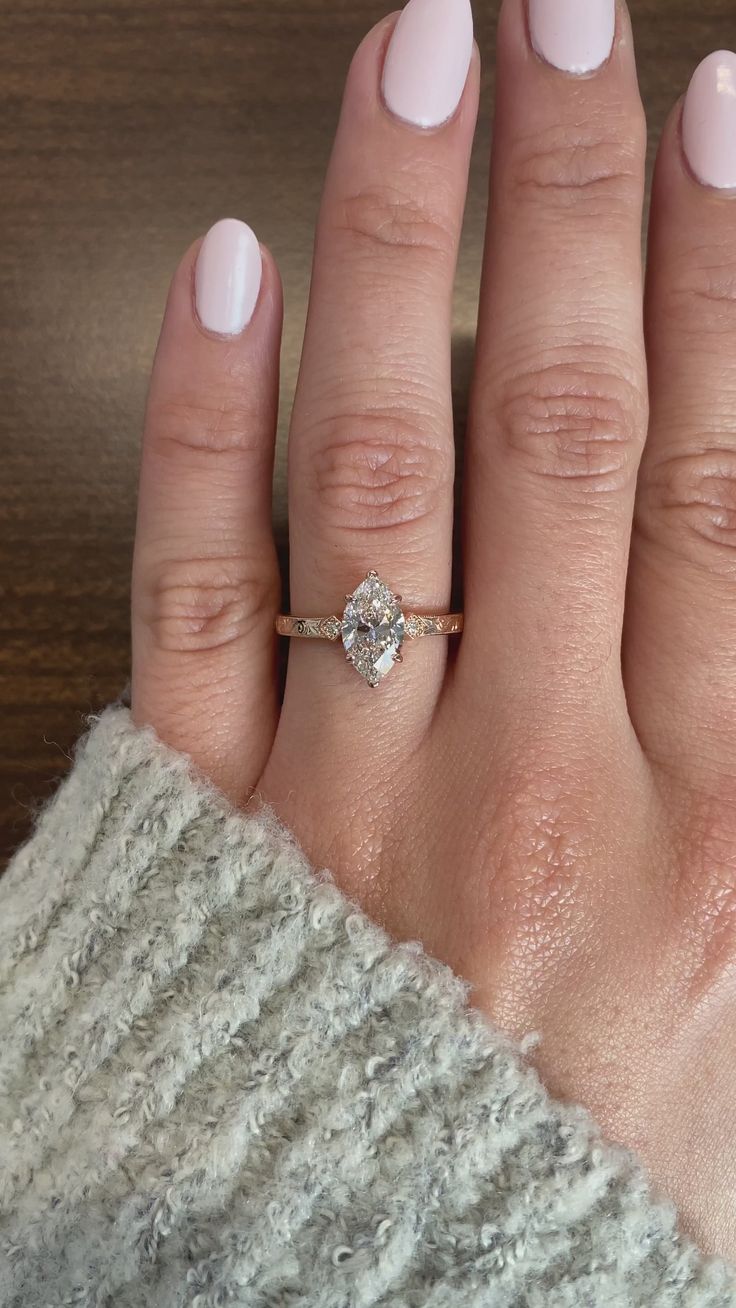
pixel 126 128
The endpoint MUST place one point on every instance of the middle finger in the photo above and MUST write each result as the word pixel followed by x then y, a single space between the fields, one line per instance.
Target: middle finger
pixel 559 413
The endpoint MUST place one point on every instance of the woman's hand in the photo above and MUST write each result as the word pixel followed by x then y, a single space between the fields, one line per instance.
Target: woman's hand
pixel 554 820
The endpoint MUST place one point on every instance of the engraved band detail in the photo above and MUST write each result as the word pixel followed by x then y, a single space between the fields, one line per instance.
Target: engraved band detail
pixel 417 625
pixel 373 628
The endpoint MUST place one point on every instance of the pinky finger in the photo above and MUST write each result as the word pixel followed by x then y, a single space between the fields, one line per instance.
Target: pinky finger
pixel 205 576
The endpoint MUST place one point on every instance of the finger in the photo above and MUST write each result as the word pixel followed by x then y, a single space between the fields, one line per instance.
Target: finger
pixel 681 616
pixel 205 578
pixel 559 403
pixel 371 448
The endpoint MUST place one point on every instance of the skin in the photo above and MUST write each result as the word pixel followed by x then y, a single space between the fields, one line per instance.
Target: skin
pixel 549 804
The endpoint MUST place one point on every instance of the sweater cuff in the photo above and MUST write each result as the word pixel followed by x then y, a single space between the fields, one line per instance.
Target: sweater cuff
pixel 221 1083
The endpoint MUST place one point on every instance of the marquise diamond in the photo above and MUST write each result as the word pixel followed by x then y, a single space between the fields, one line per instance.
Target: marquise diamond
pixel 373 629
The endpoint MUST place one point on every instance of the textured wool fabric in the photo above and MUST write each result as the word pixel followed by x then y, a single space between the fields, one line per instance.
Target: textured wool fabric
pixel 221 1084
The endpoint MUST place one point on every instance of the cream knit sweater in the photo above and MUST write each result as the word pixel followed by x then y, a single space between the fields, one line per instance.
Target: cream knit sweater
pixel 220 1084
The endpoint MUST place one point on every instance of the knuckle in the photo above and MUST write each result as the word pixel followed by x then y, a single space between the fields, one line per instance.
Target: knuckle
pixel 380 471
pixel 535 849
pixel 206 424
pixel 388 219
pixel 592 171
pixel 205 604
pixel 572 426
pixel 692 497
pixel 708 883
pixel 702 300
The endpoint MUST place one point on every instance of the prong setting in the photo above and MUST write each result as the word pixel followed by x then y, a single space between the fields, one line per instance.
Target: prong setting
pixel 373 629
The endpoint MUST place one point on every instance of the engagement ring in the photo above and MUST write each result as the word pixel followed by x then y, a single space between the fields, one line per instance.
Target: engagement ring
pixel 373 628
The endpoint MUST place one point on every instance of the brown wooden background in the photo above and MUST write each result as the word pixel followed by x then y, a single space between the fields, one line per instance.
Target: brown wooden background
pixel 126 128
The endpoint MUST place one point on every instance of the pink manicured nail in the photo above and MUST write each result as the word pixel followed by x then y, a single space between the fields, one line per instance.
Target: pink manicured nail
pixel 427 61
pixel 575 36
pixel 228 277
pixel 709 121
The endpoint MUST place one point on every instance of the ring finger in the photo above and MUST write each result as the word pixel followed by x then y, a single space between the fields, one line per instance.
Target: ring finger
pixel 371 448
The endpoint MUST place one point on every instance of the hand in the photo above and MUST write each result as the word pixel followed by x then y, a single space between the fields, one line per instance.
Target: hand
pixel 548 803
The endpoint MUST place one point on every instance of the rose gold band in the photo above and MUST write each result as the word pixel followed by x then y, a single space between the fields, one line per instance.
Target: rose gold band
pixel 417 625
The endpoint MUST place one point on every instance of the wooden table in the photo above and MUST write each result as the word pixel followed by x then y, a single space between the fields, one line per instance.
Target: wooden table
pixel 127 127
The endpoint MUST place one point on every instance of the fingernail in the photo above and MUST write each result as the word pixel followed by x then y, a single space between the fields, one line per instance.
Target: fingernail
pixel 709 121
pixel 227 277
pixel 575 36
pixel 427 61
